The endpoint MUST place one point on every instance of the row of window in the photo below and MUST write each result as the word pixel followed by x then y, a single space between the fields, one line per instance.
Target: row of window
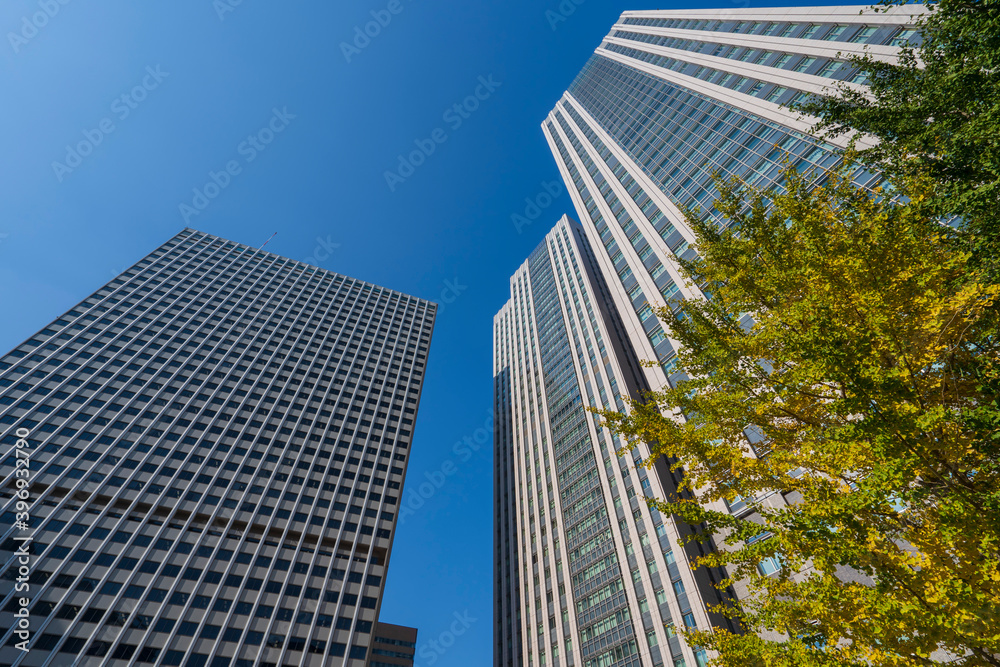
pixel 371 340
pixel 833 32
pixel 381 367
pixel 171 657
pixel 209 246
pixel 72 455
pixel 822 67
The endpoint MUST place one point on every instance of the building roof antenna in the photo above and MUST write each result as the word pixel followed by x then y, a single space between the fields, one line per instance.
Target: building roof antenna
pixel 268 240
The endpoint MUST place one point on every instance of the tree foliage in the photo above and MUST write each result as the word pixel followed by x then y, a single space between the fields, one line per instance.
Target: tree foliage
pixel 937 113
pixel 850 335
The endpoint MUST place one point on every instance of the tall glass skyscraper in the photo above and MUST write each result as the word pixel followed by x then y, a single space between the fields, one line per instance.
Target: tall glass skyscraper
pixel 586 575
pixel 216 442
pixel 671 98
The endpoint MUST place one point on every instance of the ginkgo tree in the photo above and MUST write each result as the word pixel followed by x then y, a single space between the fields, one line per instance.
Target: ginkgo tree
pixel 850 332
pixel 935 111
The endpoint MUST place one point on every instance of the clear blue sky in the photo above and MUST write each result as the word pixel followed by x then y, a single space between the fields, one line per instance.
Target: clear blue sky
pixel 208 83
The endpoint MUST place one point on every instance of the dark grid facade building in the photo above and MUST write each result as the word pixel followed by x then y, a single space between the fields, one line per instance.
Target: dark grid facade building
pixel 218 440
pixel 393 646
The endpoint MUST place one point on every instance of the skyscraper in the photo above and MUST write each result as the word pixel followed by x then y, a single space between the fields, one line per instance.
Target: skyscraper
pixel 217 441
pixel 586 573
pixel 669 99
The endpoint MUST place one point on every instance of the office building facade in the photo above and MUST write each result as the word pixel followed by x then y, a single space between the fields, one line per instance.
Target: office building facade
pixel 672 98
pixel 586 573
pixel 217 441
pixel 393 646
pixel 668 100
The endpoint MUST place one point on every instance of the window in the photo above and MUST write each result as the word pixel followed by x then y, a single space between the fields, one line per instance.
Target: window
pixel 864 34
pixel 737 505
pixel 776 94
pixel 835 33
pixel 769 566
pixel 187 629
pixel 164 625
pixel 800 98
pixel 804 64
pixel 903 38
pixel 669 290
pixel 829 69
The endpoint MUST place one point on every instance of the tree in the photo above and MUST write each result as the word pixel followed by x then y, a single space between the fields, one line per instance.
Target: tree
pixel 846 336
pixel 937 113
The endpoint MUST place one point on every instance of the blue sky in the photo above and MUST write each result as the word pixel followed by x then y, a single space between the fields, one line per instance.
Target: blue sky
pixel 164 95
